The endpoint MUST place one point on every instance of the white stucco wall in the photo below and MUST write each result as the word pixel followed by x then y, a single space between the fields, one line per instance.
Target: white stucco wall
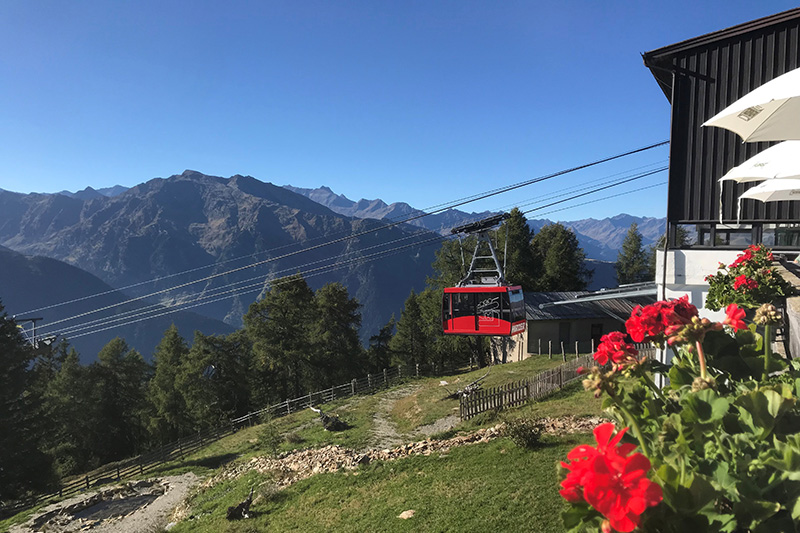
pixel 686 272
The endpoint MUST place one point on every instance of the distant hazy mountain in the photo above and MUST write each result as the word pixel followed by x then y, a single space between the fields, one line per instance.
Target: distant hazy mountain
pixel 602 239
pixel 202 226
pixel 29 283
pixel 88 193
pixel 378 209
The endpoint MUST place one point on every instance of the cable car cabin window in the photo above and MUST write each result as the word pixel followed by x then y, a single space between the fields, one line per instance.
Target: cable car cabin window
pixel 483 310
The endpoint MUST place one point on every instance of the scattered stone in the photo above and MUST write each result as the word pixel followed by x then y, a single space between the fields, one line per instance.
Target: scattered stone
pixel 405 515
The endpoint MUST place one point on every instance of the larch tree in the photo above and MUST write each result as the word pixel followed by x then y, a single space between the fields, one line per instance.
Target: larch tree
pixel 561 258
pixel 170 418
pixel 23 465
pixel 215 378
pixel 338 354
pixel 632 264
pixel 379 354
pixel 514 238
pixel 410 345
pixel 279 327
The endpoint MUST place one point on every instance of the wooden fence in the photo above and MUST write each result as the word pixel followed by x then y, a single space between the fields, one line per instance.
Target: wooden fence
pixel 536 388
pixel 178 450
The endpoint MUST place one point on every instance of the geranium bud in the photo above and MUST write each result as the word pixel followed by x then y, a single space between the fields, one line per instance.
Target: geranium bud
pixel 700 384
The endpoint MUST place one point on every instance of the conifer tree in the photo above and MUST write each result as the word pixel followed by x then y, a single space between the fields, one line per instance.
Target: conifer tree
pixel 410 344
pixel 23 465
pixel 632 264
pixel 562 260
pixel 169 418
pixel 514 250
pixel 379 354
pixel 120 379
pixel 278 326
pixel 338 354
pixel 215 378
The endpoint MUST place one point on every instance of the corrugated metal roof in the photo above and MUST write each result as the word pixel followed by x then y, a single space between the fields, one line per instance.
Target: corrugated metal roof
pixel 617 307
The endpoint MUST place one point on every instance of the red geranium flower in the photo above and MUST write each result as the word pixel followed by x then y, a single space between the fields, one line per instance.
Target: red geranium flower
pixel 745 283
pixel 610 479
pixel 613 347
pixel 734 316
pixel 661 319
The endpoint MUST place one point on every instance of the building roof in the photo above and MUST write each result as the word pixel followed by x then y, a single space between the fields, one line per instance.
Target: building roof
pixel 660 61
pixel 618 308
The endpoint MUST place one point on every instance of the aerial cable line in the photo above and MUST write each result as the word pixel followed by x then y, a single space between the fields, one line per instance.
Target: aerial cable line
pixel 450 205
pixel 584 186
pixel 644 175
pixel 321 270
pixel 500 190
pixel 260 285
pixel 660 183
pixel 277 282
pixel 260 282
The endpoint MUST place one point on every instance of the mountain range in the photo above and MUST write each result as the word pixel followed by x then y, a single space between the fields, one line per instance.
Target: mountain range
pixel 234 235
pixel 600 239
pixel 215 243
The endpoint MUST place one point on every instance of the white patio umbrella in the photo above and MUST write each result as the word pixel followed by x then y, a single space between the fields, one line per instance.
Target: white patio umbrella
pixel 770 112
pixel 773 190
pixel 776 162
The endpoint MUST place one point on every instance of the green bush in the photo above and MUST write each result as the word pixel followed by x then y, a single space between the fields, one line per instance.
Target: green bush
pixel 524 432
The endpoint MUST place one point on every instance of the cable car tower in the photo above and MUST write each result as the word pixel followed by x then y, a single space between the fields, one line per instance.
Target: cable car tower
pixel 483 303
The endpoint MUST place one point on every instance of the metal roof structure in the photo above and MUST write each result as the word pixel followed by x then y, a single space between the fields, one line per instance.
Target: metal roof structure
pixel 700 77
pixel 584 304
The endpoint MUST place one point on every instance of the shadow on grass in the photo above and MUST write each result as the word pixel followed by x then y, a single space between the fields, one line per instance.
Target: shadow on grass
pixel 213 461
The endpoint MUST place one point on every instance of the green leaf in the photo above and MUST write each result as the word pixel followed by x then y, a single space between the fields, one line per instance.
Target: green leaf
pixel 755 510
pixel 679 376
pixel 704 406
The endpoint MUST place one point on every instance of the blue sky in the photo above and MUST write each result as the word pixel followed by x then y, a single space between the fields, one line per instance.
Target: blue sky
pixel 418 101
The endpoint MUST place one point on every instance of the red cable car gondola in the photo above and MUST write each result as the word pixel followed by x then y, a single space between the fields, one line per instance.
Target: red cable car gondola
pixel 480 304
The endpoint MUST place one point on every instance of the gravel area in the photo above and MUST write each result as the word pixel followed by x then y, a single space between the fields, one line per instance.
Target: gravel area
pixel 135 507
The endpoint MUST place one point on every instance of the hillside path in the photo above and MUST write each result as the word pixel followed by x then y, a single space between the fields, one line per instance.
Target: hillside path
pixel 384 432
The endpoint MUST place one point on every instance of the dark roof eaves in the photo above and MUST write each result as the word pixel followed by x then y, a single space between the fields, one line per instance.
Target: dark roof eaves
pixel 719 35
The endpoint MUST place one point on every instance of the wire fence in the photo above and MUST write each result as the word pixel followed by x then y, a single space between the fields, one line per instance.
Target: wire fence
pixel 185 446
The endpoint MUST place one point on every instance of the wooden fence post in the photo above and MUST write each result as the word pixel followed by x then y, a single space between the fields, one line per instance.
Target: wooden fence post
pixel 563 353
pixel 385 379
pixel 399 371
pixel 353 388
pixel 87 481
pixel 592 344
pixel 550 349
pixel 540 346
pixel 288 410
pixel 576 349
pixel 369 380
pixel 417 365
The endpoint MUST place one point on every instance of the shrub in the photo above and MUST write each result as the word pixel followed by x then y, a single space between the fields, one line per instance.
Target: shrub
pixel 524 432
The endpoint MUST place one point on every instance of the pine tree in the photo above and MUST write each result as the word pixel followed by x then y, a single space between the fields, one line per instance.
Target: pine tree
pixel 562 260
pixel 632 264
pixel 338 355
pixel 379 354
pixel 215 378
pixel 23 465
pixel 279 326
pixel 120 378
pixel 170 418
pixel 514 238
pixel 410 344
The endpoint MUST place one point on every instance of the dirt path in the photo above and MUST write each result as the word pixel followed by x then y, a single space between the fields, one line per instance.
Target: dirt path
pixel 136 507
pixel 384 432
